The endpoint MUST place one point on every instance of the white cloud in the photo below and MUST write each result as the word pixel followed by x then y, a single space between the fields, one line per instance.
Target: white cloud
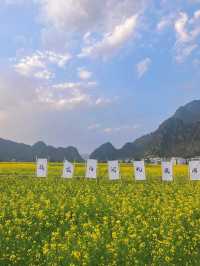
pixel 165 22
pixel 58 100
pixel 37 64
pixel 69 95
pixel 112 41
pixel 101 102
pixel 26 66
pixel 75 85
pixel 44 74
pixel 84 74
pixel 100 128
pixel 86 15
pixel 197 14
pixel 95 21
pixel 58 59
pixel 111 130
pixel 187 33
pixel 143 66
pixel 185 51
pixel 180 27
pixel 72 14
pixel 186 28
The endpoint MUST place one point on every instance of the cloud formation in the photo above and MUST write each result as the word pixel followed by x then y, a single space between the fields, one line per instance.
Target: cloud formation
pixel 37 64
pixel 187 32
pixel 74 66
pixel 85 16
pixel 84 74
pixel 112 41
pixel 143 66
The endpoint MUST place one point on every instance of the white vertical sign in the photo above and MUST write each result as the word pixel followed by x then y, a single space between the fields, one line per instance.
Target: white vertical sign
pixel 139 167
pixel 91 171
pixel 113 170
pixel 42 167
pixel 194 167
pixel 68 170
pixel 167 171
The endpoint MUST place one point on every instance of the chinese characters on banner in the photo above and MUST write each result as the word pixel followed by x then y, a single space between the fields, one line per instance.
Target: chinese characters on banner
pixel 194 168
pixel 91 171
pixel 42 167
pixel 113 170
pixel 68 170
pixel 167 171
pixel 139 167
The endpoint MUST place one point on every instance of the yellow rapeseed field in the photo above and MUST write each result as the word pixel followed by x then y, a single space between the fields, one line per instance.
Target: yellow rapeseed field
pixel 51 221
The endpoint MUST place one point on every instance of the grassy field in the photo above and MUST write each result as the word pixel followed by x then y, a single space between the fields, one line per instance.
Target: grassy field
pixel 52 221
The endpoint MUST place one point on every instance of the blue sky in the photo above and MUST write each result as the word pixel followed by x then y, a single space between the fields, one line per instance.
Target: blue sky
pixel 84 72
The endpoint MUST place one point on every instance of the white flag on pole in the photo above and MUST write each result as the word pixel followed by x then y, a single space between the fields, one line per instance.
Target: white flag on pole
pixel 194 167
pixel 167 171
pixel 91 171
pixel 113 170
pixel 139 167
pixel 42 167
pixel 68 170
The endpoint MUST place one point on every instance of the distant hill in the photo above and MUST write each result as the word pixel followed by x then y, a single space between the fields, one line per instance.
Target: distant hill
pixel 10 150
pixel 105 152
pixel 177 136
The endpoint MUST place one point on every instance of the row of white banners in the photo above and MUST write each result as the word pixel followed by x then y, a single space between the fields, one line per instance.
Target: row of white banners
pixel 114 170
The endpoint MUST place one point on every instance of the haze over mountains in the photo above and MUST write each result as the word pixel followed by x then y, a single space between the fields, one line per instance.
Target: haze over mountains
pixel 177 136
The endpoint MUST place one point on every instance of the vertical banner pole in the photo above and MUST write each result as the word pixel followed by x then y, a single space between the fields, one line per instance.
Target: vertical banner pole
pixel 36 167
pixel 75 177
pixel 97 172
pixel 133 163
pixel 120 176
pixel 73 171
pixel 84 177
pixel 189 178
pixel 173 172
pixel 62 169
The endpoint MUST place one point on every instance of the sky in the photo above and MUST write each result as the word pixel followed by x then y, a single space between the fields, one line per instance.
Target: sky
pixel 85 72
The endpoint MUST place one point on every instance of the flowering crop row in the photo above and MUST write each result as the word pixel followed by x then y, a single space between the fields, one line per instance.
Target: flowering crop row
pixel 53 221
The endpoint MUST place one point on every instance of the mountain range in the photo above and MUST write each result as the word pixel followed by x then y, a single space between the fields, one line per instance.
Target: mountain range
pixel 10 150
pixel 178 136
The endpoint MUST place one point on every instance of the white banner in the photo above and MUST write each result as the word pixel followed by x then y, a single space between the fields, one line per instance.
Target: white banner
pixel 167 171
pixel 113 170
pixel 91 171
pixel 68 170
pixel 139 170
pixel 42 167
pixel 194 167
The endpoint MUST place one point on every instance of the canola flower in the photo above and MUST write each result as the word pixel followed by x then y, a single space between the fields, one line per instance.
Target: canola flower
pixel 51 221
